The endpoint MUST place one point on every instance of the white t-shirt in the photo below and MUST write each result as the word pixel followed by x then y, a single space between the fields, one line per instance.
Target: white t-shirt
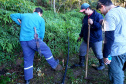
pixel 115 20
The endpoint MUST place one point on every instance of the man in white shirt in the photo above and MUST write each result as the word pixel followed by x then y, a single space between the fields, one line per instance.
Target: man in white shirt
pixel 115 39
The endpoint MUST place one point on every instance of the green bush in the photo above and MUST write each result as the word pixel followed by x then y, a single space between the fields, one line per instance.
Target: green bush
pixel 58 27
pixel 4 80
pixel 9 31
pixel 17 5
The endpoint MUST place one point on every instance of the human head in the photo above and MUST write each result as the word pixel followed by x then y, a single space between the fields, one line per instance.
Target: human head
pixel 103 4
pixel 39 11
pixel 85 7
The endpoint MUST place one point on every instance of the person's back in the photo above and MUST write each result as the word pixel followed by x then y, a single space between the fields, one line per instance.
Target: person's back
pixel 29 21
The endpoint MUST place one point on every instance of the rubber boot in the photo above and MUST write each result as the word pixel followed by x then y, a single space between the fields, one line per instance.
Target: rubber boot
pixel 27 81
pixel 101 62
pixel 81 62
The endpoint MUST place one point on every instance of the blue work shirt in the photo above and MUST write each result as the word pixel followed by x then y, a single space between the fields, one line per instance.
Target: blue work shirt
pixel 28 22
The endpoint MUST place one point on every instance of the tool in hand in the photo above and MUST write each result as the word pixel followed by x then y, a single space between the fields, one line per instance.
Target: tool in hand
pixel 88 39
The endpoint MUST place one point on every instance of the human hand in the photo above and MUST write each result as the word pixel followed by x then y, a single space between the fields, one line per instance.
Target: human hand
pixel 107 61
pixel 90 21
pixel 101 21
pixel 19 21
pixel 79 39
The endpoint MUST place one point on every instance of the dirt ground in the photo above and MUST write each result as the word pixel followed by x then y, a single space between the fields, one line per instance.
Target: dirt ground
pixel 43 74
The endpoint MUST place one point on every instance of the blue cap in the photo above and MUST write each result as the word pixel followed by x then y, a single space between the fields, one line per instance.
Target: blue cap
pixel 84 6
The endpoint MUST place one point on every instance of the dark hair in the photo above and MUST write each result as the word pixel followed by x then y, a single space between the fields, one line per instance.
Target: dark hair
pixel 103 2
pixel 38 10
pixel 89 7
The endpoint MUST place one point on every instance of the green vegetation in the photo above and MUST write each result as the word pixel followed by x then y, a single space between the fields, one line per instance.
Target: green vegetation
pixel 58 27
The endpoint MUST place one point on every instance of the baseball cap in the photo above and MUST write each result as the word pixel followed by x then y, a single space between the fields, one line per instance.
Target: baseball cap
pixel 84 6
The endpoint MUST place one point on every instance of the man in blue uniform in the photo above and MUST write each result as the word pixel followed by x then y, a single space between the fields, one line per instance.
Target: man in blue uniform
pixel 93 18
pixel 28 22
pixel 115 39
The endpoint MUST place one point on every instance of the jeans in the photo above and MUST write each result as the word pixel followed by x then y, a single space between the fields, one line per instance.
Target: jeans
pixel 96 47
pixel 29 48
pixel 115 72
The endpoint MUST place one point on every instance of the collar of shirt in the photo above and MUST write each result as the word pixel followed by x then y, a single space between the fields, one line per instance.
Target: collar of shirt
pixel 90 15
pixel 35 13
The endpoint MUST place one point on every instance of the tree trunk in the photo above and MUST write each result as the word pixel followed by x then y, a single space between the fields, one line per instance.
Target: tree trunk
pixel 83 1
pixel 114 2
pixel 54 6
pixel 51 4
pixel 70 4
pixel 79 2
pixel 125 4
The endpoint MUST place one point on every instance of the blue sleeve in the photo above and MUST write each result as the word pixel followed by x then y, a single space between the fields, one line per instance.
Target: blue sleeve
pixel 109 40
pixel 15 17
pixel 42 29
pixel 96 23
pixel 81 33
pixel 82 28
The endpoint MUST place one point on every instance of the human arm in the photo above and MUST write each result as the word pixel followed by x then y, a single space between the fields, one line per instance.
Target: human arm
pixel 109 28
pixel 42 29
pixel 95 23
pixel 82 29
pixel 109 40
pixel 16 17
pixel 81 33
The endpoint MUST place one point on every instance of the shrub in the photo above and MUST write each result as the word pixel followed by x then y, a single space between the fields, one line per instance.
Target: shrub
pixel 58 27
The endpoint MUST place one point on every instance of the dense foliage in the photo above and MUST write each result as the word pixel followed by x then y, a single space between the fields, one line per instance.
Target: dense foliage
pixel 58 28
pixel 9 31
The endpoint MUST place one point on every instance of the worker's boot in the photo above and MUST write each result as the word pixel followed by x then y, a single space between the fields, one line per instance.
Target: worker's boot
pixel 27 81
pixel 101 66
pixel 58 68
pixel 80 64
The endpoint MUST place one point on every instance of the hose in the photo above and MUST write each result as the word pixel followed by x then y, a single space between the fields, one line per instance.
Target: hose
pixel 66 63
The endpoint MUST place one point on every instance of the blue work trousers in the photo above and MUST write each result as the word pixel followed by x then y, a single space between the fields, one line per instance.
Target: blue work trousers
pixel 29 48
pixel 96 47
pixel 115 69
